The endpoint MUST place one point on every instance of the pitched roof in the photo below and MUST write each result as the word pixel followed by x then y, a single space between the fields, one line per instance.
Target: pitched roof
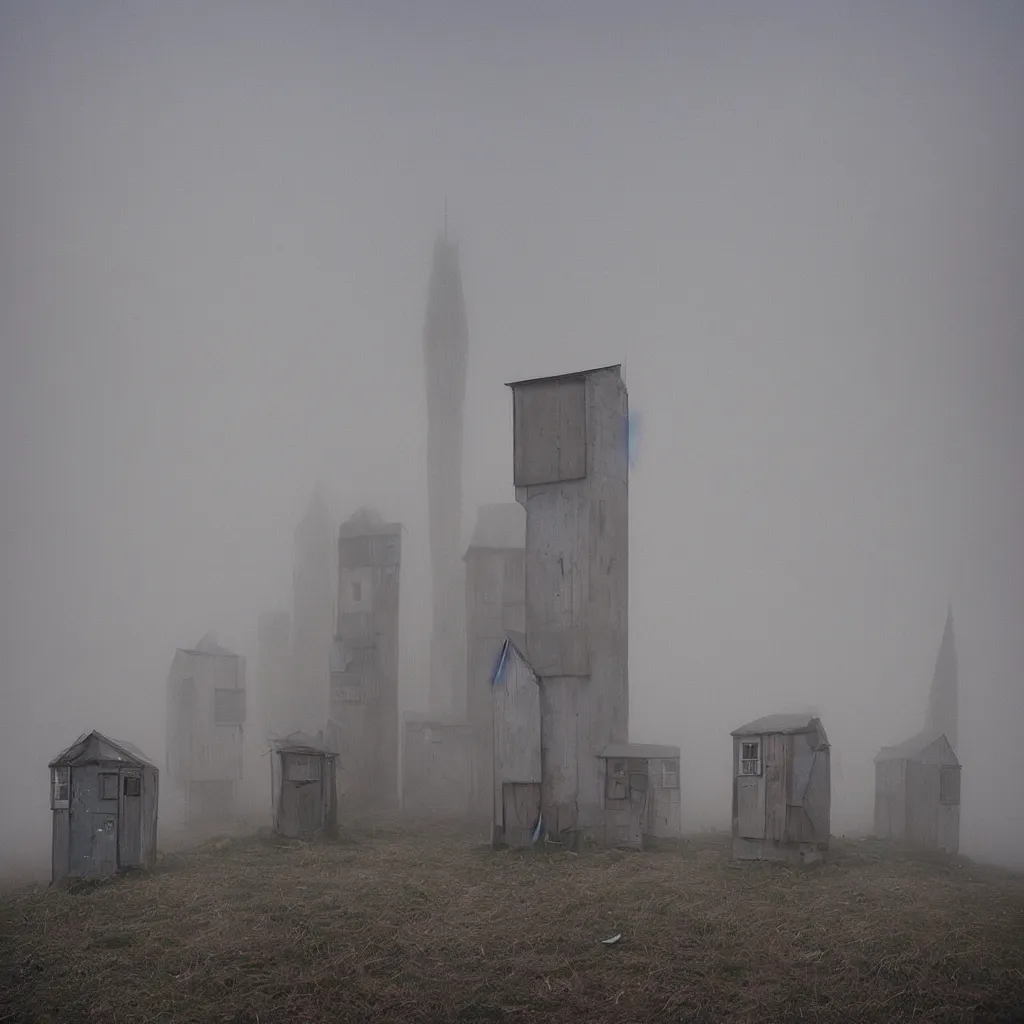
pixel 577 375
pixel 94 746
pixel 786 723
pixel 366 522
pixel 301 743
pixel 913 748
pixel 627 750
pixel 208 645
pixel 500 527
pixel 509 650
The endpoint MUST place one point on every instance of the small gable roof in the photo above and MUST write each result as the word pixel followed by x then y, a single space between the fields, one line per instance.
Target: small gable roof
pixel 302 743
pixel 509 651
pixel 208 645
pixel 93 746
pixel 785 724
pixel 917 746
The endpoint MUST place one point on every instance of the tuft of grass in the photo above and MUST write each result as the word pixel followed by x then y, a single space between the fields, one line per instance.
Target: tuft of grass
pixel 402 921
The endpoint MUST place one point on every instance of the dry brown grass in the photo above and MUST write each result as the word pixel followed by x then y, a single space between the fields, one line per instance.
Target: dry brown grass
pixel 399 924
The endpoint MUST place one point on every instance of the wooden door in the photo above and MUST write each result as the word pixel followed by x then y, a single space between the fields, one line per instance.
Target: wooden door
pixel 129 831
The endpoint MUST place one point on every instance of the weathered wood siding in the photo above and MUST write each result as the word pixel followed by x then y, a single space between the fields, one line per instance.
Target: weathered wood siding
pixel 664 817
pixel 785 813
pixel 495 606
pixel 576 580
pixel 517 737
pixel 61 844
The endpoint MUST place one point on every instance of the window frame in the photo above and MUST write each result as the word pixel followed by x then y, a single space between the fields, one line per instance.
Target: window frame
pixel 137 779
pixel 103 778
pixel 58 803
pixel 949 771
pixel 750 767
pixel 669 771
pixel 217 719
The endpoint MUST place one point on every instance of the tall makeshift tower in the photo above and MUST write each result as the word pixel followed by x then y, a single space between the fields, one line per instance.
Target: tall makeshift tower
pixel 445 345
pixel 571 473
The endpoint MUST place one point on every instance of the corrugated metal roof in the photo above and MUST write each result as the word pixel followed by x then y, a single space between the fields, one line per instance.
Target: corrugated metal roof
pixel 639 750
pixel 777 724
pixel 914 747
pixel 577 375
pixel 94 746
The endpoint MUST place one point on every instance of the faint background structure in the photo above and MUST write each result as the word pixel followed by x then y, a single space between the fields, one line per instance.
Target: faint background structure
pixel 801 228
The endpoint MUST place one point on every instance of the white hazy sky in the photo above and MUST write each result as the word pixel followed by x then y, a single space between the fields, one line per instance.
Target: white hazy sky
pixel 799 225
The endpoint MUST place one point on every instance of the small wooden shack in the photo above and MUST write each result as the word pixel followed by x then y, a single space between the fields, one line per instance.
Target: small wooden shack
pixel 305 790
pixel 641 793
pixel 515 691
pixel 103 794
pixel 917 793
pixel 436 772
pixel 781 794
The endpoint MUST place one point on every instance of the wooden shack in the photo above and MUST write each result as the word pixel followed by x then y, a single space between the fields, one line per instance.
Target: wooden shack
pixel 305 789
pixel 917 793
pixel 515 692
pixel 206 710
pixel 436 758
pixel 781 794
pixel 104 795
pixel 641 793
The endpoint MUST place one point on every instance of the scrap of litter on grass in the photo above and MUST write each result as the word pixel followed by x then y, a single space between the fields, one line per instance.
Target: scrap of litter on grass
pixel 611 942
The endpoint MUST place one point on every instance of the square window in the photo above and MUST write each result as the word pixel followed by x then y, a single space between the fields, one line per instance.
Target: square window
pixel 132 785
pixel 750 757
pixel 949 785
pixel 108 786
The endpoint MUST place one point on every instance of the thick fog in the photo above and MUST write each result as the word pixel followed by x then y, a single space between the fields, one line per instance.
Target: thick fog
pixel 799 227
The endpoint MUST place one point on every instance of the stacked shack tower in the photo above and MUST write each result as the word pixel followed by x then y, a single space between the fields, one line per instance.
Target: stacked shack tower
pixel 571 475
pixel 363 713
pixel 445 344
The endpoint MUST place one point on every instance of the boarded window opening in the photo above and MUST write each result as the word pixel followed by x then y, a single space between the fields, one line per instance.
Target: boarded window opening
pixel 132 785
pixel 229 707
pixel 949 786
pixel 615 786
pixel 669 775
pixel 108 786
pixel 61 787
pixel 303 768
pixel 750 757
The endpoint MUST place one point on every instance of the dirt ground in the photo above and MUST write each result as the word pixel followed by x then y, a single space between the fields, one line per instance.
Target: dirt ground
pixel 404 922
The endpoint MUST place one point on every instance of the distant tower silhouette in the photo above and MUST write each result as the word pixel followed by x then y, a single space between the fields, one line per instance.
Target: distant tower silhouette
pixel 943 700
pixel 312 616
pixel 445 345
